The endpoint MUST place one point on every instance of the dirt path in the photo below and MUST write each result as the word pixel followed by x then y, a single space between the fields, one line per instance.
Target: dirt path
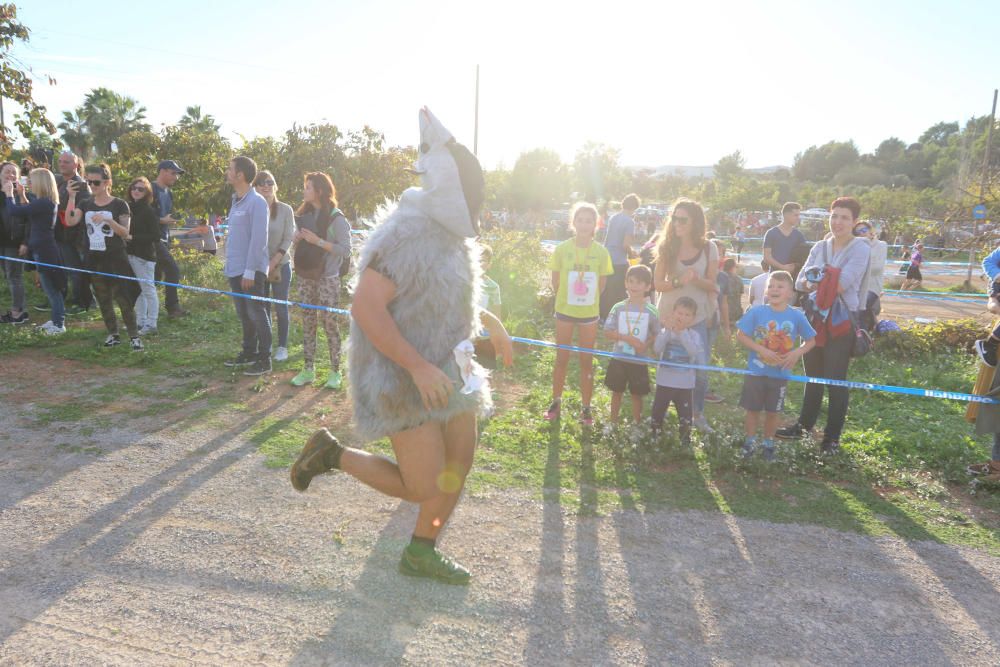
pixel 163 542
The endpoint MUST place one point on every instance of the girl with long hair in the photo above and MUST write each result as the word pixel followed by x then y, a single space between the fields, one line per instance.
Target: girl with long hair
pixel 144 235
pixel 580 268
pixel 323 244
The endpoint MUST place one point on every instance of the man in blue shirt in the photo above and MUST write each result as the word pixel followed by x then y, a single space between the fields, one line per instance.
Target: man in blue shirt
pixel 247 264
pixel 168 171
pixel 781 240
pixel 618 240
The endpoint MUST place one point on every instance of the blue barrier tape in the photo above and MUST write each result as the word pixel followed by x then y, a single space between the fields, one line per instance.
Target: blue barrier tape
pixel 909 391
pixel 892 389
pixel 193 288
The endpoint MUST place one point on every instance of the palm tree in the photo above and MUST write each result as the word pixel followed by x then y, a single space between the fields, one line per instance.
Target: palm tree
pixel 110 115
pixel 75 132
pixel 194 120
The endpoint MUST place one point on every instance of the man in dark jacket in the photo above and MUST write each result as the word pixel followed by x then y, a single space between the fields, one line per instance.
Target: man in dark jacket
pixel 168 171
pixel 72 241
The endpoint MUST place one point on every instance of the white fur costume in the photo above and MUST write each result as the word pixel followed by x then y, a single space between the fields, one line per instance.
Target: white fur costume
pixel 425 247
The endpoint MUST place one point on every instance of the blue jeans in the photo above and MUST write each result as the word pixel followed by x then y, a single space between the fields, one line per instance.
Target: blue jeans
pixel 996 447
pixel 55 296
pixel 253 317
pixel 279 290
pixel 701 377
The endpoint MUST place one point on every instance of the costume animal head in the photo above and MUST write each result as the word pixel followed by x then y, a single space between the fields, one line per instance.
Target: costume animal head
pixel 452 186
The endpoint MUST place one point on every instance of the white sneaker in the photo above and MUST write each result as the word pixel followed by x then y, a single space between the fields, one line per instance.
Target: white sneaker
pixel 50 329
pixel 281 354
pixel 702 425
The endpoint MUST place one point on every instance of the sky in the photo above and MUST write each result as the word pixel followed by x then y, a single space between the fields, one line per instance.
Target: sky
pixel 679 83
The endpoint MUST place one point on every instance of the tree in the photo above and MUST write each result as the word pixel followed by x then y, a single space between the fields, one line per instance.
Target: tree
pixel 75 133
pixel 15 83
pixel 729 167
pixel 109 116
pixel 597 173
pixel 821 163
pixel 539 180
pixel 194 120
pixel 939 133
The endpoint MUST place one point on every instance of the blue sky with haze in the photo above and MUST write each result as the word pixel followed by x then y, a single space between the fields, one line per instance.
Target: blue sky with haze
pixel 666 82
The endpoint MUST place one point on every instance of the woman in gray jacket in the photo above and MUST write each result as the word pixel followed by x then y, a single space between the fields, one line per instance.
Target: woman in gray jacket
pixel 320 224
pixel 280 232
pixel 851 254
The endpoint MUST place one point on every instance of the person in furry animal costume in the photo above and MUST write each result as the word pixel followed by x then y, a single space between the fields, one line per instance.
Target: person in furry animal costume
pixel 413 378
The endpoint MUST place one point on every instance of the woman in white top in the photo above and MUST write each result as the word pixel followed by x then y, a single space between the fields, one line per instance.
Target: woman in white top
pixel 280 231
pixel 687 265
pixel 879 254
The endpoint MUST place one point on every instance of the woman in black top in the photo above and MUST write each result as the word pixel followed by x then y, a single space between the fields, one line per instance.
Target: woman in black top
pixel 145 232
pixel 41 241
pixel 107 219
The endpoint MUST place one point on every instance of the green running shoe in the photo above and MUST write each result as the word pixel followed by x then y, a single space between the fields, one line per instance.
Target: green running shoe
pixel 334 381
pixel 432 564
pixel 305 376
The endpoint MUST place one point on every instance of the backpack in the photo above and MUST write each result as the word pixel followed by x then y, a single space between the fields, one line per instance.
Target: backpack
pixel 309 259
pixel 863 341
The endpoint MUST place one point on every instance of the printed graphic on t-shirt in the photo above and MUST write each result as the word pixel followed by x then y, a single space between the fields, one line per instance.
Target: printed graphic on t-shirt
pixel 776 337
pixel 676 353
pixel 97 229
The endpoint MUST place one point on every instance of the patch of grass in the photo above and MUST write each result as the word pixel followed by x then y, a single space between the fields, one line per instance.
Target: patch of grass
pixel 47 413
pixel 281 440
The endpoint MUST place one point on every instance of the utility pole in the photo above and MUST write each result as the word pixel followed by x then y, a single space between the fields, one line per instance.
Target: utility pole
pixel 982 186
pixel 475 137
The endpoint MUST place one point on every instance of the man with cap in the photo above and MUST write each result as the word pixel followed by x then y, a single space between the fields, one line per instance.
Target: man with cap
pixel 166 267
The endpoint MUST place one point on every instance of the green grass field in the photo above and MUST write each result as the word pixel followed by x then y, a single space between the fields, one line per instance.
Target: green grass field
pixel 901 470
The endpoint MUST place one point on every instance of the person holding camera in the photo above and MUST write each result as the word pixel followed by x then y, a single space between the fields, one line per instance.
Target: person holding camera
pixel 107 221
pixel 72 241
pixel 39 243
pixel 168 171
pixel 13 233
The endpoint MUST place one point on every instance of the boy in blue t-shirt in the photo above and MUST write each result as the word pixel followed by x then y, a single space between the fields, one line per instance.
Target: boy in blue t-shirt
pixel 770 331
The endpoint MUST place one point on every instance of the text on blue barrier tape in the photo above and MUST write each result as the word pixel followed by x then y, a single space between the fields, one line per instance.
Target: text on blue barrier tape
pixel 849 384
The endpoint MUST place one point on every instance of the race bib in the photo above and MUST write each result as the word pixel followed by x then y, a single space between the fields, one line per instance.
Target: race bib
pixel 627 326
pixel 582 288
pixel 97 231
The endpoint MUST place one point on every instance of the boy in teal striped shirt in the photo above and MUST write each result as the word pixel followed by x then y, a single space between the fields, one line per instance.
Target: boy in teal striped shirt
pixel 633 325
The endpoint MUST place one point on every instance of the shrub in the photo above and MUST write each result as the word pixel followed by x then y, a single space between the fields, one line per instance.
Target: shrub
pixel 520 268
pixel 944 336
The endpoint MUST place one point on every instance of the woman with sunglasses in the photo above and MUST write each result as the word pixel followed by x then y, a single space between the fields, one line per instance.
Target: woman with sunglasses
pixel 280 232
pixel 108 221
pixel 687 264
pixel 145 233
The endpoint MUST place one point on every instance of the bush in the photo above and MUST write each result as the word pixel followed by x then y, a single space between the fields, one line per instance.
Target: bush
pixel 945 336
pixel 520 268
